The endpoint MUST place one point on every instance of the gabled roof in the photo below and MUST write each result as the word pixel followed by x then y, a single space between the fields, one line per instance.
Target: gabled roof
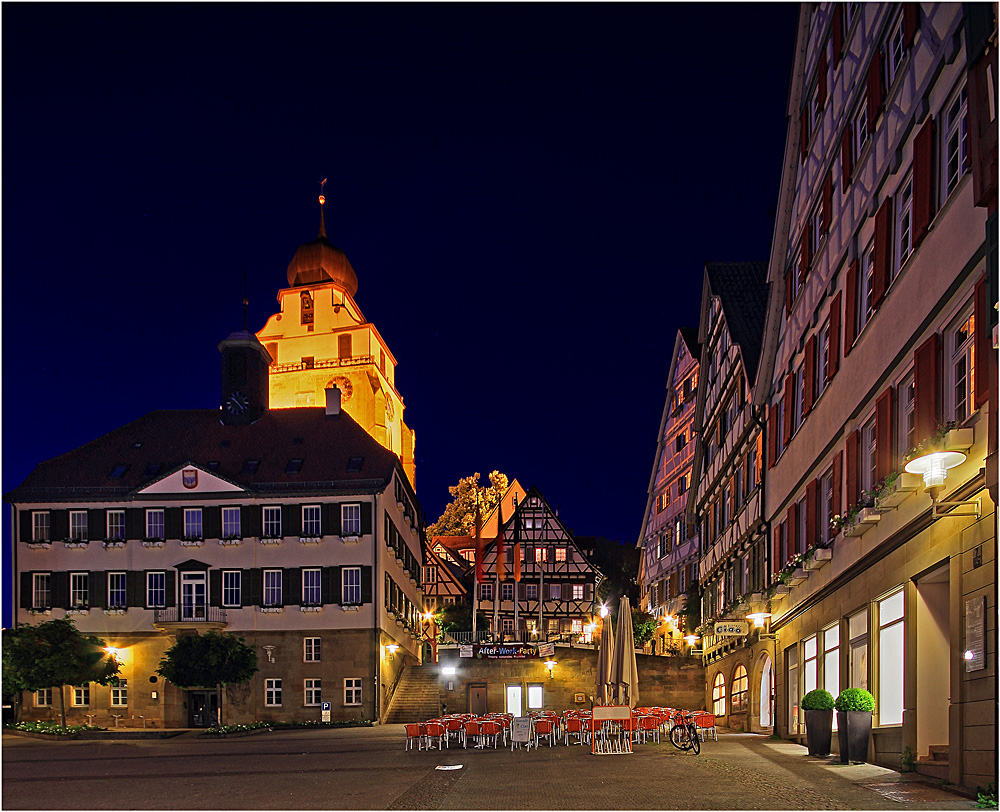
pixel 335 453
pixel 690 336
pixel 452 568
pixel 742 289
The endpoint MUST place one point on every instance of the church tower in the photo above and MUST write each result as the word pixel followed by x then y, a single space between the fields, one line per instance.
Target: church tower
pixel 319 338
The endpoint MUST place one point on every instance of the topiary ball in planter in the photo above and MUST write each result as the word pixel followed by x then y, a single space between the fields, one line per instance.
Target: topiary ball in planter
pixel 854 724
pixel 818 707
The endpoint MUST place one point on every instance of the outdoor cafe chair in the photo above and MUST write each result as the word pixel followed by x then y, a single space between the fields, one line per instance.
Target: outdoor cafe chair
pixel 472 730
pixel 546 728
pixel 414 734
pixel 456 729
pixel 650 726
pixel 435 730
pixel 490 729
pixel 574 726
pixel 705 723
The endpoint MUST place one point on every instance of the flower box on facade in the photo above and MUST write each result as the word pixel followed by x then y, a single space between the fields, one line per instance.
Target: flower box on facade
pixel 79 610
pixel 865 520
pixel 39 611
pixel 271 539
pixel 820 557
pixel 350 539
pixel 192 542
pixel 959 439
pixel 115 611
pixel 798 576
pixel 310 608
pixel 153 543
pixel 904 485
pixel 271 610
pixel 76 545
pixel 310 539
pixel 399 504
pixel 350 607
pixel 39 545
pixel 230 542
pixel 118 543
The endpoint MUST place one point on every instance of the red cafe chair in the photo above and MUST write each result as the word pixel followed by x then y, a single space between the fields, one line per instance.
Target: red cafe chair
pixel 414 734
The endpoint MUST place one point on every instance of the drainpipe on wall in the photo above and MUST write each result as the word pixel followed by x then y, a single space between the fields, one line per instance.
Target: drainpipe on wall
pixel 17 580
pixel 375 612
pixel 763 487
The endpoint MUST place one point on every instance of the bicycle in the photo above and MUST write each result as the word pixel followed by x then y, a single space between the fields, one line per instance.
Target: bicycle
pixel 684 733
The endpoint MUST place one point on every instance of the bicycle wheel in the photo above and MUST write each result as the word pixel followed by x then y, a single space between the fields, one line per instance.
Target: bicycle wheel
pixel 694 740
pixel 679 737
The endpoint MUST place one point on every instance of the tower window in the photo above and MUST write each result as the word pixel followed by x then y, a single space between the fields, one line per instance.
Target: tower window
pixel 306 311
pixel 344 349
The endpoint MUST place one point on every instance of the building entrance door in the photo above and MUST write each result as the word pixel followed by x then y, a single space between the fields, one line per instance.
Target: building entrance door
pixel 194 595
pixel 203 708
pixel 477 699
pixel 514 700
pixel 766 693
pixel 933 659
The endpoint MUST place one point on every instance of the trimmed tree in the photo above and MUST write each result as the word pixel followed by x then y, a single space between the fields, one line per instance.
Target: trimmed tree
pixel 203 660
pixel 457 617
pixel 459 517
pixel 643 626
pixel 54 654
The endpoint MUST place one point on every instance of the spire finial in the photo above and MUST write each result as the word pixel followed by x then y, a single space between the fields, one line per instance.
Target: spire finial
pixel 245 302
pixel 322 200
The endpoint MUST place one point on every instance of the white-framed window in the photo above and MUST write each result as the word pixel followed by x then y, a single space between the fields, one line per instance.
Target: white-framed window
pixel 312 591
pixel 232 588
pixel 507 625
pixel 119 693
pixel 719 695
pixel 156 589
pixel 868 455
pixel 956 140
pixel 430 575
pixel 553 625
pixel 41 590
pixel 312 524
pixel 907 432
pixel 78 525
pixel 313 691
pixel 809 665
pixel 798 397
pixel 312 649
pixel 576 626
pixel 352 691
pixel 740 689
pixel 822 360
pixel 116 590
pixel 272 693
pixel 116 525
pixel 486 592
pixel 560 554
pixel 231 523
pixel 857 630
pixel 852 11
pixel 825 506
pixel 859 130
pixel 681 574
pixel 890 659
pixel 350 590
pixel 831 659
pixel 81 695
pixel 350 520
pixel 578 592
pixel 192 523
pixel 531 592
pixel 662 546
pixel 816 229
pixel 43 698
pixel 555 592
pixel 79 590
pixel 904 224
pixel 895 50
pixel 541 555
pixel 866 288
pixel 535 696
pixel 272 523
pixel 40 526
pixel 507 591
pixel 960 349
pixel 154 523
pixel 272 588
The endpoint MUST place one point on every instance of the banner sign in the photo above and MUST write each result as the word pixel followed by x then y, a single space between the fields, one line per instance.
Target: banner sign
pixel 500 651
pixel 546 649
pixel 732 628
pixel 465 651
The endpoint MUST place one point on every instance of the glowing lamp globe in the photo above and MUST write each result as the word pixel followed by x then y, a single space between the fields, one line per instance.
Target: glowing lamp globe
pixel 934 466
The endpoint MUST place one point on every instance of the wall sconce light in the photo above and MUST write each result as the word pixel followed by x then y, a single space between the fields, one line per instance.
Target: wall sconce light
pixel 269 650
pixel 392 648
pixel 692 640
pixel 113 653
pixel 934 469
pixel 550 664
pixel 428 616
pixel 448 670
pixel 759 619
pixel 604 610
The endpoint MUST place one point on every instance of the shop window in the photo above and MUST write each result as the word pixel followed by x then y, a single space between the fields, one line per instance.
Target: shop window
pixel 890 658
pixel 740 690
pixel 719 695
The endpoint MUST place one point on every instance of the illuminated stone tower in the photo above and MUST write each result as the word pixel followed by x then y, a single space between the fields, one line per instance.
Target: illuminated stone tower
pixel 319 338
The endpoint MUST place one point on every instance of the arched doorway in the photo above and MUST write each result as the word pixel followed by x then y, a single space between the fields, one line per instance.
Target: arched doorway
pixel 766 692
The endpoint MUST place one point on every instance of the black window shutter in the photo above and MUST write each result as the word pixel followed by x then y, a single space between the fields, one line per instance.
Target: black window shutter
pixel 326 584
pixel 291 516
pixel 171 585
pixel 292 588
pixel 337 582
pixel 286 585
pixel 25 602
pixel 173 522
pixel 250 520
pixel 99 589
pixel 213 522
pixel 135 588
pixel 366 518
pixel 331 518
pixel 135 524
pixel 97 527
pixel 59 525
pixel 366 584
pixel 256 587
pixel 25 527
pixel 215 587
pixel 246 577
pixel 60 590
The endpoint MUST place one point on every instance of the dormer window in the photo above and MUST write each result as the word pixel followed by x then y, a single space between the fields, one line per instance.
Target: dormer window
pixel 294 466
pixel 355 463
pixel 250 467
pixel 118 471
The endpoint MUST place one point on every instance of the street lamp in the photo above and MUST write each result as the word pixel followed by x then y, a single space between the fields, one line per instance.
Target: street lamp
pixel 550 664
pixel 934 466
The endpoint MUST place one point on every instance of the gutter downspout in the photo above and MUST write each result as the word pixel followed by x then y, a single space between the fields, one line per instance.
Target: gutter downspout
pixel 765 523
pixel 375 613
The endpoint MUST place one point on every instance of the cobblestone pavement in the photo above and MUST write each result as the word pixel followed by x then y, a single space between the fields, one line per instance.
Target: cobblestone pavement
pixel 368 768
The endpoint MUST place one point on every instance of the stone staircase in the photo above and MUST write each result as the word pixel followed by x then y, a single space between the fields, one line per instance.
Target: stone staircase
pixel 935 763
pixel 417 696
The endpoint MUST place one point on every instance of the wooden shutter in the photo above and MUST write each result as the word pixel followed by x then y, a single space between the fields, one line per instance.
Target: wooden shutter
pixel 250 520
pixel 837 490
pixel 291 586
pixel 792 530
pixel 135 523
pixel 873 99
pixel 803 134
pixel 850 309
pixel 215 587
pixel 833 355
pixel 846 159
pixel 837 33
pixel 853 493
pixel 985 367
pixel 788 292
pixel 97 527
pixel 982 124
pixel 827 201
pixel 99 589
pixel 26 588
pixel 171 582
pixel 212 516
pixel 787 428
pixel 926 385
pixel 58 525
pixel 776 561
pixel 245 597
pixel 331 518
pixel 366 518
pixel 291 520
pixel 883 251
pixel 326 584
pixel 173 522
pixel 805 254
pixel 256 585
pixel 25 517
pixel 883 435
pixel 812 512
pixel 821 80
pixel 772 435
pixel 60 590
pixel 923 181
pixel 911 23
pixel 135 588
pixel 809 375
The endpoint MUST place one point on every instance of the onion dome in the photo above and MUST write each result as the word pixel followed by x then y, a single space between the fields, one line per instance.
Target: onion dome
pixel 320 261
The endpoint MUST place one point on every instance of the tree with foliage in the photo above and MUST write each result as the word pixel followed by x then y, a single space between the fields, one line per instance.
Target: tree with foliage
pixel 618 562
pixel 200 660
pixel 51 655
pixel 643 626
pixel 459 517
pixel 457 617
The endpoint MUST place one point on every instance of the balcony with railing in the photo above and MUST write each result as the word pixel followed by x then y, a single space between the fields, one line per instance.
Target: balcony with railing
pixel 174 618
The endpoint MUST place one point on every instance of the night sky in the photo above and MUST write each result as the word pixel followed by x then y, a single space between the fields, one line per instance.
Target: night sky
pixel 528 194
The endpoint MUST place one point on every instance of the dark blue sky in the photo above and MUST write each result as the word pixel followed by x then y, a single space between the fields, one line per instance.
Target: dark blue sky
pixel 527 192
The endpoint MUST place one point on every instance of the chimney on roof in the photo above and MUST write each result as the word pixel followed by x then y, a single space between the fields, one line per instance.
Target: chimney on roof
pixel 333 400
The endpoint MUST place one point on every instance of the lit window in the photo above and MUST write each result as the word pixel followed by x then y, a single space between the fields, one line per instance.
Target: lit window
pixel 119 693
pixel 43 698
pixel 312 649
pixel 78 525
pixel 741 685
pixel 866 288
pixel 231 523
pixel 535 695
pixel 904 224
pixel 272 693
pixel 960 346
pixel 81 695
pixel 116 590
pixel 79 590
pixel 577 626
pixel 154 524
pixel 41 590
pixel 156 589
pixel 116 525
pixel 272 588
pixel 350 585
pixel 192 523
pixel 540 556
pixel 578 592
pixel 890 655
pixel 858 643
pixel 809 664
pixel 956 140
pixel 313 691
pixel 232 587
pixel 352 691
pixel 272 522
pixel 719 695
pixel 560 554
pixel 350 520
pixel 831 660
pixel 312 594
pixel 907 420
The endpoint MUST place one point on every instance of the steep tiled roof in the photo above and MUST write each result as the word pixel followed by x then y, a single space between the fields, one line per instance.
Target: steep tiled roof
pixel 336 453
pixel 742 288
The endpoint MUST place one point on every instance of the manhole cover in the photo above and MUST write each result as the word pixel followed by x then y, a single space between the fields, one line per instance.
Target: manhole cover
pixel 907 791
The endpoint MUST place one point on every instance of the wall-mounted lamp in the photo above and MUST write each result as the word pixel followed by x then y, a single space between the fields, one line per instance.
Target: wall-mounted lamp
pixel 428 616
pixel 392 648
pixel 934 469
pixel 692 640
pixel 550 664
pixel 759 619
pixel 269 650
pixel 113 653
pixel 604 610
pixel 448 670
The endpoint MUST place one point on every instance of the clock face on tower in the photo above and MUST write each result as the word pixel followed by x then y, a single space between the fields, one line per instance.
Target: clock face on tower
pixel 237 403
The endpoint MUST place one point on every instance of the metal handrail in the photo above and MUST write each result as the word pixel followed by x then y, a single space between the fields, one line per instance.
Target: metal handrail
pixel 172 614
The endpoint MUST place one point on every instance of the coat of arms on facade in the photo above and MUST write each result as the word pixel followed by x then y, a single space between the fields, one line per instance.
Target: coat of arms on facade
pixel 189 477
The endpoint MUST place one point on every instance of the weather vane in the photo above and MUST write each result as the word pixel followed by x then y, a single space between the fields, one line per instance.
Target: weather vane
pixel 322 199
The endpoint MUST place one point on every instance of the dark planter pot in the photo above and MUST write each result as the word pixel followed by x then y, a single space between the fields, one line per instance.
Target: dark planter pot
pixel 819 727
pixel 854 729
